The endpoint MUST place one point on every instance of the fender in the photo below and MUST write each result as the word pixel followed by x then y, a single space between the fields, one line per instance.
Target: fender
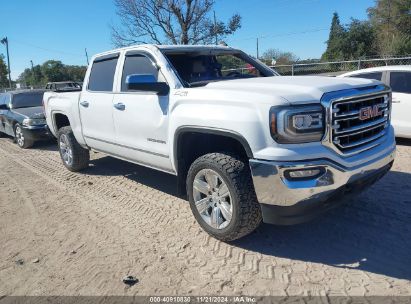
pixel 215 131
pixel 53 114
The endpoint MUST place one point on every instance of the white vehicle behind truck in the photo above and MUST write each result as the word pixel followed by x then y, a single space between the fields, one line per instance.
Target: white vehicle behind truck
pixel 245 144
pixel 398 77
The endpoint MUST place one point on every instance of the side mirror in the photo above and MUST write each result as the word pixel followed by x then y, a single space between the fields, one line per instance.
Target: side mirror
pixel 146 82
pixel 4 106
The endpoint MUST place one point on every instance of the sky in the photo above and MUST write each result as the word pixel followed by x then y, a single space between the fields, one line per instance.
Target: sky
pixel 61 30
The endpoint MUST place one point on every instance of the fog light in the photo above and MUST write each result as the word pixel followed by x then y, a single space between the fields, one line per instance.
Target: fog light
pixel 303 174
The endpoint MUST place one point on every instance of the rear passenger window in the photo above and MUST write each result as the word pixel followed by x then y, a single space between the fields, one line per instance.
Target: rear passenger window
pixel 376 76
pixel 400 82
pixel 137 64
pixel 102 74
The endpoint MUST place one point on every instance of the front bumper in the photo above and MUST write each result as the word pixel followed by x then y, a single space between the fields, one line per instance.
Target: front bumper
pixel 37 133
pixel 286 201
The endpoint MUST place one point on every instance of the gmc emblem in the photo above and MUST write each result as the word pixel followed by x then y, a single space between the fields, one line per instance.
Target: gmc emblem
pixel 370 112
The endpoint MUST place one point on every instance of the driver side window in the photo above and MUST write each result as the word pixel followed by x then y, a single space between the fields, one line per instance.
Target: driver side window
pixel 4 100
pixel 141 65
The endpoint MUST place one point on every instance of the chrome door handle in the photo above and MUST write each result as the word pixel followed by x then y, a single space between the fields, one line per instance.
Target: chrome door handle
pixel 395 100
pixel 120 106
pixel 84 104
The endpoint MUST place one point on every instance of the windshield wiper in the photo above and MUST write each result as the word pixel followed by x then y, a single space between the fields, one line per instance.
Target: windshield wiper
pixel 203 82
pixel 27 107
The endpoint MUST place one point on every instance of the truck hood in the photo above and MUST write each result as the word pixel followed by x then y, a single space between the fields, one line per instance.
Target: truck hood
pixel 294 89
pixel 33 112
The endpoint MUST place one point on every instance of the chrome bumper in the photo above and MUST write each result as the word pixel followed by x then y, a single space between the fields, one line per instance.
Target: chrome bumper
pixel 275 188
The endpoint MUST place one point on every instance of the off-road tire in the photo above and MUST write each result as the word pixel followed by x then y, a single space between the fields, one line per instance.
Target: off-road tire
pixel 24 143
pixel 236 174
pixel 81 156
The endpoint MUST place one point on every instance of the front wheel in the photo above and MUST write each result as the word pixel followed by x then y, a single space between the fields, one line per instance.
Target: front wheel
pixel 74 156
pixel 222 196
pixel 21 138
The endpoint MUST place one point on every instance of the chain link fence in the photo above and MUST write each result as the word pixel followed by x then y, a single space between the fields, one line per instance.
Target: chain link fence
pixel 333 68
pixel 337 67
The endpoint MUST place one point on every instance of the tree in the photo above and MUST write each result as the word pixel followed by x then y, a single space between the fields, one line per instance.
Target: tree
pixel 279 56
pixel 359 40
pixel 335 43
pixel 392 22
pixel 4 80
pixel 75 72
pixel 169 21
pixel 353 41
pixel 50 71
pixel 54 70
pixel 32 77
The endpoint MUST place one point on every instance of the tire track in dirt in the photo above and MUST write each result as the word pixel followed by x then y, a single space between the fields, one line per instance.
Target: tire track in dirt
pixel 51 171
pixel 65 217
pixel 162 224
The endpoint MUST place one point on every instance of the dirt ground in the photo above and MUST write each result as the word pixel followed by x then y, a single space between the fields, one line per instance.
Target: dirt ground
pixel 64 233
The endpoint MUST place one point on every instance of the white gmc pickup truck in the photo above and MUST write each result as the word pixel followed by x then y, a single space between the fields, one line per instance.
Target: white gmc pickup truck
pixel 246 144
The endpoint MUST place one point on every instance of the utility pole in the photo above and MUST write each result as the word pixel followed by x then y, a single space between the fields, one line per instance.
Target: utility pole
pixel 32 72
pixel 257 49
pixel 5 41
pixel 215 29
pixel 85 50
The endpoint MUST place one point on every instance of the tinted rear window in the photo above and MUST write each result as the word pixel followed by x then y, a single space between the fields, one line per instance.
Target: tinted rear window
pixel 400 82
pixel 102 75
pixel 375 75
pixel 27 100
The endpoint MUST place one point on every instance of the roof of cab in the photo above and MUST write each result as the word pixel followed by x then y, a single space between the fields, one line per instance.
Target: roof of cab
pixel 166 47
pixel 26 91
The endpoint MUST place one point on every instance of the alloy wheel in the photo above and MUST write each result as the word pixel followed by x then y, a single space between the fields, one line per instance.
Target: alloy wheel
pixel 65 150
pixel 19 136
pixel 212 198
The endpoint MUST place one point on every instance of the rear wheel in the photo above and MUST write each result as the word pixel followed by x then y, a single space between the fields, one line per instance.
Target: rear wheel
pixel 222 196
pixel 74 156
pixel 21 138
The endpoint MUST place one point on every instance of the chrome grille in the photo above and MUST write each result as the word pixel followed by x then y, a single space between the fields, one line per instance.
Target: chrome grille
pixel 358 123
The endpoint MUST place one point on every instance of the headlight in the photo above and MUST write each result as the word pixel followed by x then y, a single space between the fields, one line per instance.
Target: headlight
pixel 298 124
pixel 34 121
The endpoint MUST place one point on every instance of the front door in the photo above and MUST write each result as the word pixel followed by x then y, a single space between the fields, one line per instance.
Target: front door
pixel 96 104
pixel 400 82
pixel 2 113
pixel 141 118
pixel 6 116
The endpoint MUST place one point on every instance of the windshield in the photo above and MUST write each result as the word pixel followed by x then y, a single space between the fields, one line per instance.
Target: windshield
pixel 198 69
pixel 27 100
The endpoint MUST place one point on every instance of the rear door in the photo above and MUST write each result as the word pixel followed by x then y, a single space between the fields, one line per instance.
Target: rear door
pixel 400 82
pixel 96 104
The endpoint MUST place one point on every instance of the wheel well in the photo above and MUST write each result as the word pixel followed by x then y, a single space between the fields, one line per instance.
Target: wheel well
pixel 60 121
pixel 190 145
